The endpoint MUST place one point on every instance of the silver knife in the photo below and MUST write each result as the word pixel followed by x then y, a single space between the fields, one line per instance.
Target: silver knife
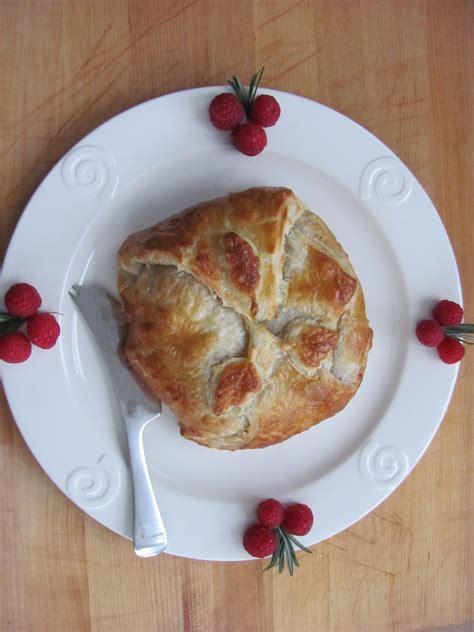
pixel 106 321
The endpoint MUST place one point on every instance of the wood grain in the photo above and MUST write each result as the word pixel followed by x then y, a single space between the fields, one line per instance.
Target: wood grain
pixel 403 69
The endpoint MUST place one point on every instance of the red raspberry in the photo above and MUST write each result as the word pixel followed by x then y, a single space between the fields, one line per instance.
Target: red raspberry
pixel 298 519
pixel 260 541
pixel 270 512
pixel 226 111
pixel 250 139
pixel 451 351
pixel 43 330
pixel 22 300
pixel 429 333
pixel 265 111
pixel 448 313
pixel 14 347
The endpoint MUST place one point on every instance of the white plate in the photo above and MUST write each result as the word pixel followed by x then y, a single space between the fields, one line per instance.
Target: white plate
pixel 159 158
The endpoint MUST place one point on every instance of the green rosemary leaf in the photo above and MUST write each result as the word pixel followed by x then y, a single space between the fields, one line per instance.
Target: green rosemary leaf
pixel 276 555
pixel 281 557
pixel 272 563
pixel 239 85
pixel 292 551
pixel 234 87
pixel 290 554
pixel 298 544
pixel 252 89
pixel 256 83
pixel 289 557
pixel 463 332
pixel 463 339
pixel 239 90
pixel 464 328
pixel 252 83
pixel 11 325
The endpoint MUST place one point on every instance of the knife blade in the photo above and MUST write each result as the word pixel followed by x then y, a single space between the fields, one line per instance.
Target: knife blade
pixel 107 322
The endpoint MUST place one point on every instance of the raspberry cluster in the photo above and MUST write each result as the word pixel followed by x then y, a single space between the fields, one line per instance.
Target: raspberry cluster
pixel 22 302
pixel 274 533
pixel 446 331
pixel 227 111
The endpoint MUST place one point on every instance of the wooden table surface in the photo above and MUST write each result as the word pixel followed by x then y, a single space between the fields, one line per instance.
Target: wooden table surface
pixel 402 69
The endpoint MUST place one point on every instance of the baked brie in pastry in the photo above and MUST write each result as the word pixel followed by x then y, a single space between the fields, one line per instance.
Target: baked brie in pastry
pixel 246 318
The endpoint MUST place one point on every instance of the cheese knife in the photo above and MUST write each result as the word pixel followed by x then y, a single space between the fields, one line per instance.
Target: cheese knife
pixel 106 320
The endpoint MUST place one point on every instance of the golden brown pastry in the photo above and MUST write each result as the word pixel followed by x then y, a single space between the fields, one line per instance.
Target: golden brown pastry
pixel 246 318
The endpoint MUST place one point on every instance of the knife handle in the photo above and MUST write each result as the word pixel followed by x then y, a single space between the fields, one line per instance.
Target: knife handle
pixel 149 537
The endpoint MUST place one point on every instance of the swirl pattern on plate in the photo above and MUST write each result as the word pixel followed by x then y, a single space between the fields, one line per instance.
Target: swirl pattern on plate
pixel 387 180
pixel 94 487
pixel 90 171
pixel 383 467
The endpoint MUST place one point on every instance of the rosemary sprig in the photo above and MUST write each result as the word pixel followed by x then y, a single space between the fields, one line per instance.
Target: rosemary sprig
pixel 244 96
pixel 285 552
pixel 10 323
pixel 464 333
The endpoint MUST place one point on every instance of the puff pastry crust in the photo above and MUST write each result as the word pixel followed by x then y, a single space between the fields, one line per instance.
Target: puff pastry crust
pixel 246 318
